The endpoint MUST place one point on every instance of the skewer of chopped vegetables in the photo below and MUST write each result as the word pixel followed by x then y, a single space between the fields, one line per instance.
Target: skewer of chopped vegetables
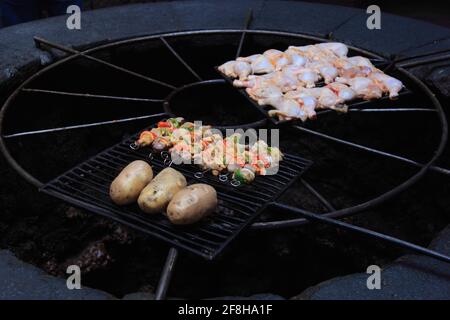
pixel 213 152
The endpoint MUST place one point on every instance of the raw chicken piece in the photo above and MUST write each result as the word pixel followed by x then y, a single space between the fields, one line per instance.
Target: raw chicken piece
pixel 387 83
pixel 337 48
pixel 262 64
pixel 286 108
pixel 259 63
pixel 327 71
pixel 361 62
pixel 278 58
pixel 242 69
pixel 264 92
pixel 228 69
pixel 236 69
pixel 295 59
pixel 325 97
pixel 364 88
pixel 344 92
pixel 286 80
pixel 307 77
pixel 355 71
pixel 249 59
pixel 308 105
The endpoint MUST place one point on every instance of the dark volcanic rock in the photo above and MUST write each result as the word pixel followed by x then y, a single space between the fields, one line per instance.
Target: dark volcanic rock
pixel 19 280
pixel 410 277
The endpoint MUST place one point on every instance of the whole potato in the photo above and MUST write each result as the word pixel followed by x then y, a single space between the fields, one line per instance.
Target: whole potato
pixel 127 186
pixel 157 194
pixel 192 204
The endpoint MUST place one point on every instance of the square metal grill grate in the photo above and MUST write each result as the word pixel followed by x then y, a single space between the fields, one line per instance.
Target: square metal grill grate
pixel 87 186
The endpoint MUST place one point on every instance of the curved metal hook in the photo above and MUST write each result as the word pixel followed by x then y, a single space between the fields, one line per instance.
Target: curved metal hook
pixel 134 146
pixel 235 183
pixel 164 155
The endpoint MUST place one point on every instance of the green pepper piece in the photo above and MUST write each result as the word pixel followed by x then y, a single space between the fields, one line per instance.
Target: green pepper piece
pixel 238 176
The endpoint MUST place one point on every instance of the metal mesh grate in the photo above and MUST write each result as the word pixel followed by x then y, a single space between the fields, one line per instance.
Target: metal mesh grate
pixel 87 186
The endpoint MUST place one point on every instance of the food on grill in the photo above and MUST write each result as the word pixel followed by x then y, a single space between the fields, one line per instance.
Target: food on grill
pixel 160 144
pixel 244 175
pixel 191 204
pixel 127 186
pixel 188 143
pixel 287 80
pixel 157 194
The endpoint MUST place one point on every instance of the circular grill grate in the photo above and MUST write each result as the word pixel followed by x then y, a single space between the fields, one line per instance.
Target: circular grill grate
pixel 132 80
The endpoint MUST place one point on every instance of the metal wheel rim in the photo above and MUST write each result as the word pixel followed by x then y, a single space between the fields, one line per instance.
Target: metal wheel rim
pixel 258 225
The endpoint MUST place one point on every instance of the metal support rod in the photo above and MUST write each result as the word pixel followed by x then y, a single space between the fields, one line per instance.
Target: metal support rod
pixel 380 110
pixel 427 54
pixel 367 232
pixel 171 49
pixel 392 110
pixel 372 150
pixel 424 61
pixel 39 41
pixel 248 20
pixel 87 125
pixel 89 95
pixel 166 275
pixel 321 198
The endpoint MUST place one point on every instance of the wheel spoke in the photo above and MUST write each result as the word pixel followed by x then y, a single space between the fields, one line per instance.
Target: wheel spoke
pixel 410 64
pixel 380 110
pixel 89 95
pixel 392 110
pixel 364 231
pixel 248 20
pixel 171 49
pixel 427 54
pixel 372 150
pixel 41 41
pixel 166 275
pixel 87 125
pixel 321 198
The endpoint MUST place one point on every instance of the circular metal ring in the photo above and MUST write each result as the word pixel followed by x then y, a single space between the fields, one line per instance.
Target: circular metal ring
pixel 235 183
pixel 244 126
pixel 223 177
pixel 261 225
pixel 134 146
pixel 199 175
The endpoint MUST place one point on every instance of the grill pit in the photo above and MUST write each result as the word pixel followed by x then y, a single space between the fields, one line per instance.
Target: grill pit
pixel 282 258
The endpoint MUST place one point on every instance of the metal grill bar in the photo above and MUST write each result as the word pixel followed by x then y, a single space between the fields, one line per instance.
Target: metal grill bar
pixel 366 232
pixel 321 198
pixel 171 49
pixel 248 20
pixel 89 95
pixel 372 150
pixel 41 41
pixel 80 126
pixel 430 53
pixel 380 110
pixel 164 281
pixel 424 61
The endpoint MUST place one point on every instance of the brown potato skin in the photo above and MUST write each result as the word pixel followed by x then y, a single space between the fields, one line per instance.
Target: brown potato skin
pixel 192 204
pixel 155 197
pixel 127 186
